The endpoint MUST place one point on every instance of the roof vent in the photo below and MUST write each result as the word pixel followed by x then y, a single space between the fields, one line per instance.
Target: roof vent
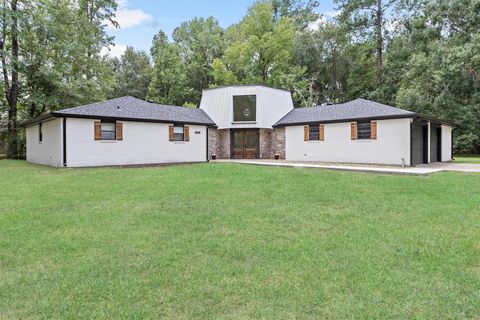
pixel 118 108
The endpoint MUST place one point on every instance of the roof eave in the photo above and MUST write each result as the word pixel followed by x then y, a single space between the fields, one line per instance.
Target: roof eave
pixel 82 116
pixel 36 120
pixel 448 123
pixel 391 117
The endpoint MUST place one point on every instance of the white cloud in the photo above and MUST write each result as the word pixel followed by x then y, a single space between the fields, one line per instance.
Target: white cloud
pixel 114 51
pixel 315 26
pixel 121 3
pixel 128 18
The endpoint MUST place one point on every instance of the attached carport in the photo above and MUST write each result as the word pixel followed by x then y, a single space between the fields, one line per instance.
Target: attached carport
pixel 431 141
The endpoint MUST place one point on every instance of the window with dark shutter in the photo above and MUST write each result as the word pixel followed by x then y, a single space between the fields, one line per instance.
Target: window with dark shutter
pixel 314 133
pixel 178 133
pixel 364 130
pixel 108 131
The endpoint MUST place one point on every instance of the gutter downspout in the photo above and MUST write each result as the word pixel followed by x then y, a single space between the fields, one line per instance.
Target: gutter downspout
pixel 208 160
pixel 64 133
pixel 451 144
pixel 411 143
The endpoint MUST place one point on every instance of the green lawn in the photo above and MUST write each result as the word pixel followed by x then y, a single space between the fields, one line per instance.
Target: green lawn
pixel 467 159
pixel 235 241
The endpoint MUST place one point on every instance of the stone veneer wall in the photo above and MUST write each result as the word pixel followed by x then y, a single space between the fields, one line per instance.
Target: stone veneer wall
pixel 219 143
pixel 272 141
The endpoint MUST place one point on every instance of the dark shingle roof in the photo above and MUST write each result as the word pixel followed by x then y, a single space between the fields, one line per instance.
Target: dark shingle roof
pixel 135 109
pixel 353 110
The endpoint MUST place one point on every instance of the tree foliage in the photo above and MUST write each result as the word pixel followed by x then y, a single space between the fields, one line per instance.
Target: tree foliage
pixel 133 74
pixel 414 54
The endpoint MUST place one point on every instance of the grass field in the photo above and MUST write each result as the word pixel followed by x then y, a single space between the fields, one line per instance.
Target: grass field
pixel 467 159
pixel 234 241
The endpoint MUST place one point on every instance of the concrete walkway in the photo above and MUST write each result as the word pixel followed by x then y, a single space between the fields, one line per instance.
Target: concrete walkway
pixel 418 170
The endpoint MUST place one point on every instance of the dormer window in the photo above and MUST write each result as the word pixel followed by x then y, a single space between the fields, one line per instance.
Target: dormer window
pixel 245 108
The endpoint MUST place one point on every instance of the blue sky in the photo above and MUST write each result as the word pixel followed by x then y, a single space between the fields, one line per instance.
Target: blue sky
pixel 141 19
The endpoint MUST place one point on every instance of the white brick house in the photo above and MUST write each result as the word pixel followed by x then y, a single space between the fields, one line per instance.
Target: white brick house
pixel 250 121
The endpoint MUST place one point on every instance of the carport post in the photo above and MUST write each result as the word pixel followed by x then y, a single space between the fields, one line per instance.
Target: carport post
pixel 428 141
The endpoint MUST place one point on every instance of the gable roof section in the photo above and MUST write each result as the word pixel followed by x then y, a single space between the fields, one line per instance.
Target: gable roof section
pixel 133 109
pixel 245 85
pixel 351 111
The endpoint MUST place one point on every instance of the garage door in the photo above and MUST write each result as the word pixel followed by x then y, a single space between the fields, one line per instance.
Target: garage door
pixel 417 144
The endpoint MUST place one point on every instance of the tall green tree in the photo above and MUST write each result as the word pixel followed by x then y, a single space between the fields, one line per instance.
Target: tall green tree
pixel 10 57
pixel 300 11
pixel 169 83
pixel 133 73
pixel 366 19
pixel 440 75
pixel 261 51
pixel 200 41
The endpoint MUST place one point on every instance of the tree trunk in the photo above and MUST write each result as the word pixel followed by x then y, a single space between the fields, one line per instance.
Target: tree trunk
pixel 12 92
pixel 379 45
pixel 334 76
pixel 310 93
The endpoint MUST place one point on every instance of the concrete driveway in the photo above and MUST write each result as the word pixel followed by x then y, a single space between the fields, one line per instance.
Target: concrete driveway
pixel 418 170
pixel 452 166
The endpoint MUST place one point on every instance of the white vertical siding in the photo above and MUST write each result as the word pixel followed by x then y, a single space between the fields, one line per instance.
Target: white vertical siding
pixel 50 150
pixel 143 143
pixel 446 143
pixel 392 145
pixel 272 105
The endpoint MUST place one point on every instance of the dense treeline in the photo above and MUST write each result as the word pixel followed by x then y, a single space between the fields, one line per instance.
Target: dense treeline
pixel 414 54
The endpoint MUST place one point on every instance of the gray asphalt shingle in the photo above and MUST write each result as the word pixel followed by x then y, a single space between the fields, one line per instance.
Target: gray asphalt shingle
pixel 356 109
pixel 133 108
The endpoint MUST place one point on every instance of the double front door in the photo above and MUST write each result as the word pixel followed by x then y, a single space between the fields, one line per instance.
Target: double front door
pixel 244 143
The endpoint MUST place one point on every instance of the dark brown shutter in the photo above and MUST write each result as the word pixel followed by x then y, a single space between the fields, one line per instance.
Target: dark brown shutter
pixel 353 130
pixel 373 130
pixel 119 131
pixel 321 132
pixel 170 133
pixel 305 133
pixel 186 133
pixel 98 130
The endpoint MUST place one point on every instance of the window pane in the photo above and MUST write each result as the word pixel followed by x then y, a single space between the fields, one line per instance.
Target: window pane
pixel 108 126
pixel 178 133
pixel 178 130
pixel 364 130
pixel 245 108
pixel 108 135
pixel 108 130
pixel 314 133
